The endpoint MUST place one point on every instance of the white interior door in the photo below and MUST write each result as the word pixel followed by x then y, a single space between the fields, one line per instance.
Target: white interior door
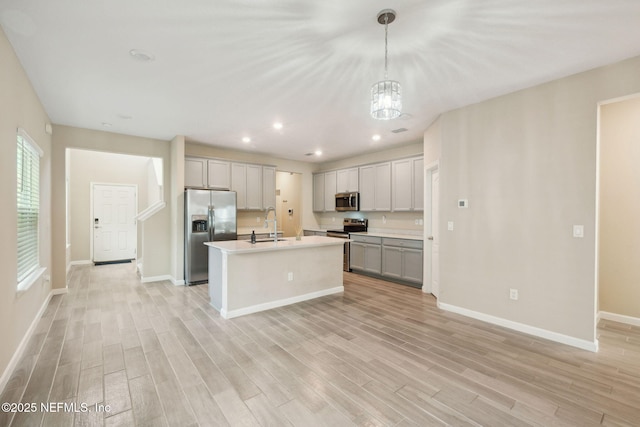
pixel 113 222
pixel 435 232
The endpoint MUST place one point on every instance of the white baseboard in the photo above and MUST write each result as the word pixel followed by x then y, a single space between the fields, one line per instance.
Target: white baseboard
pixel 156 278
pixel 177 282
pixel 635 321
pixel 6 375
pixel 521 327
pixel 279 303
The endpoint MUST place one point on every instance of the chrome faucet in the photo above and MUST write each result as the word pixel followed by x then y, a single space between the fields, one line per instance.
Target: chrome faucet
pixel 275 222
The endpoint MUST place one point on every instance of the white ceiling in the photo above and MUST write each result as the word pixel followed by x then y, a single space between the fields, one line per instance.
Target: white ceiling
pixel 224 69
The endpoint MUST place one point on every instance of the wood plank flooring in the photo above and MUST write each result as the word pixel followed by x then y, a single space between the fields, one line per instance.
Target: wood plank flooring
pixel 380 354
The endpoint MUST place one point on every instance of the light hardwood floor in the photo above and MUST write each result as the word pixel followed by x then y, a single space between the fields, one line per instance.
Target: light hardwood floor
pixel 381 354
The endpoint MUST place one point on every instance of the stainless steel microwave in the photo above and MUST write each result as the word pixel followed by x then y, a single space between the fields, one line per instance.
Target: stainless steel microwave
pixel 347 202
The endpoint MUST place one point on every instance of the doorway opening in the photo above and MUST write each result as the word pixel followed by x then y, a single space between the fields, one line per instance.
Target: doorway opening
pixel 618 201
pixel 288 202
pixel 87 167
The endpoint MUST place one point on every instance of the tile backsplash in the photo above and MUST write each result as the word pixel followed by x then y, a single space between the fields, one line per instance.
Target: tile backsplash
pixel 397 222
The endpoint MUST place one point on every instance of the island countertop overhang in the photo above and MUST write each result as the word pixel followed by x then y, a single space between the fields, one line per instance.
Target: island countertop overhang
pixel 289 243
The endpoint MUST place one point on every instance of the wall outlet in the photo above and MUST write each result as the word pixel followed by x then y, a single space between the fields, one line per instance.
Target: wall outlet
pixel 578 231
pixel 258 219
pixel 290 276
pixel 450 225
pixel 513 294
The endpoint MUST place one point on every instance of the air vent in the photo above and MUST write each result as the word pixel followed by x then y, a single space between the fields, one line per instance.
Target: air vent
pixel 399 130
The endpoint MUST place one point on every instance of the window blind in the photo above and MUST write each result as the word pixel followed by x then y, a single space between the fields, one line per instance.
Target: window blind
pixel 28 167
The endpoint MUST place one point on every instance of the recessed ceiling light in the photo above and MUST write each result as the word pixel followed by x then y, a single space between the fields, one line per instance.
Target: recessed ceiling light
pixel 376 137
pixel 318 153
pixel 141 56
pixel 277 125
pixel 246 139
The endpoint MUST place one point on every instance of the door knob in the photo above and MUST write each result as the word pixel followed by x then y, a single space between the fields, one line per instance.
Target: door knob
pixel 430 238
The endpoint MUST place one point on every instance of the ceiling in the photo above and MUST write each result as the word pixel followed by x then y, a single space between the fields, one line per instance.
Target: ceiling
pixel 226 69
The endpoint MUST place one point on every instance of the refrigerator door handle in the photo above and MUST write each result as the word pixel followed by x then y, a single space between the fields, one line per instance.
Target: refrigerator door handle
pixel 212 223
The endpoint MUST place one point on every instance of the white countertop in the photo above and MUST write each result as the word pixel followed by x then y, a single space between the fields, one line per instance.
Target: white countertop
pixel 391 235
pixel 245 246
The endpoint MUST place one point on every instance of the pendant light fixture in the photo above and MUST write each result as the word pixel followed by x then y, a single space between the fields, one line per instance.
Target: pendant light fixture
pixel 386 99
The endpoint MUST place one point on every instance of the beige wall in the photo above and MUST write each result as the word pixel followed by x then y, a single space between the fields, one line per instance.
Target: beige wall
pixel 177 210
pixel 19 107
pixel 156 231
pixel 101 168
pixel 619 251
pixel 527 163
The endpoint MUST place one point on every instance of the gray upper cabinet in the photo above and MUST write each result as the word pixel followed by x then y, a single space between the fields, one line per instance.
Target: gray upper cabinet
pixel 318 192
pixel 268 186
pixel 367 188
pixel 418 183
pixel 330 191
pixel 407 184
pixel 218 174
pixel 375 187
pixel 195 172
pixel 254 187
pixel 347 180
pixel 239 184
pixel 388 186
pixel 324 192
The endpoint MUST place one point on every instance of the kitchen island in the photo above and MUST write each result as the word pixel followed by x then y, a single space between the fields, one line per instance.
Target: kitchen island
pixel 246 278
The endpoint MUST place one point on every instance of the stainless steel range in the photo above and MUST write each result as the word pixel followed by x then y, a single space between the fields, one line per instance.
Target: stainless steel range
pixel 349 225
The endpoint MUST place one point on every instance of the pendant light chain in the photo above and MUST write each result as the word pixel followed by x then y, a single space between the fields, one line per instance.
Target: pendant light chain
pixel 386 24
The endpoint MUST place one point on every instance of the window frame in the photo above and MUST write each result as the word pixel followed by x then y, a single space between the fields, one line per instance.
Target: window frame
pixel 27 145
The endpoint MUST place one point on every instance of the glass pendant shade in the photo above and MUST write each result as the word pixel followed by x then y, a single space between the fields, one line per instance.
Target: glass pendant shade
pixel 386 100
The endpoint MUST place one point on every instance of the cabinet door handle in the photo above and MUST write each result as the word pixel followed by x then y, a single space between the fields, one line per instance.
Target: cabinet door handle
pixel 430 238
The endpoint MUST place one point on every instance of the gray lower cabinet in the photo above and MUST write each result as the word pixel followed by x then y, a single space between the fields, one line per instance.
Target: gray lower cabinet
pixel 393 259
pixel 402 259
pixel 365 254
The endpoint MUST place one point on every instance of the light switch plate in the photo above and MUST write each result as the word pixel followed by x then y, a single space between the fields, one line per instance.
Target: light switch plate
pixel 578 231
pixel 450 225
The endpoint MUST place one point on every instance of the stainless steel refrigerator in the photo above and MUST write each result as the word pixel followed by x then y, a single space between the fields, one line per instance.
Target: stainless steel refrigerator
pixel 208 216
